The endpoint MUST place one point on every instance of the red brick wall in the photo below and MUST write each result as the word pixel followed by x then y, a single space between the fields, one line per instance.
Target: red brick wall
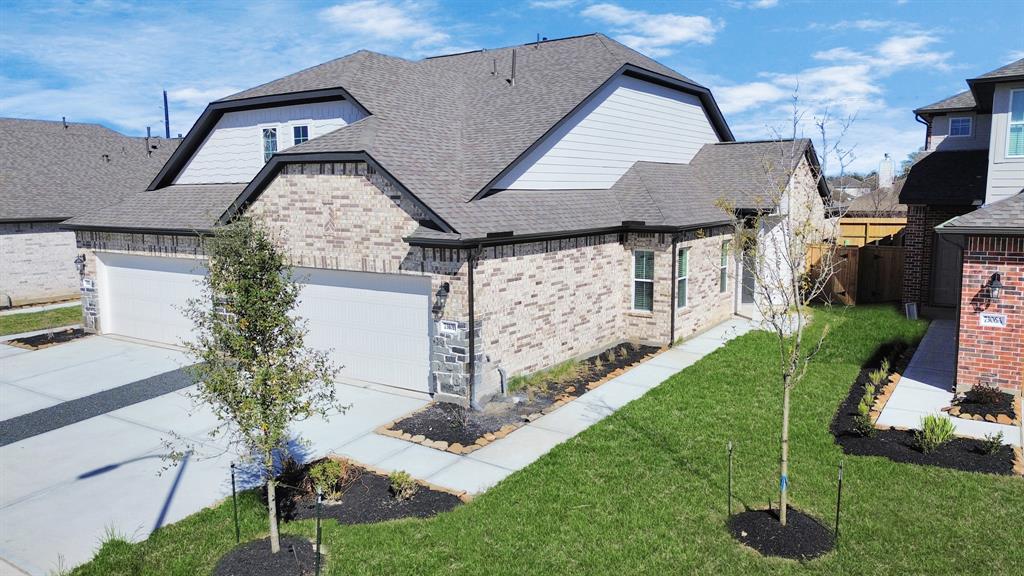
pixel 918 242
pixel 992 355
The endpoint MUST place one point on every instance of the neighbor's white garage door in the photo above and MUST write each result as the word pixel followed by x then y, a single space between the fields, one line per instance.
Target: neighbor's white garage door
pixel 377 326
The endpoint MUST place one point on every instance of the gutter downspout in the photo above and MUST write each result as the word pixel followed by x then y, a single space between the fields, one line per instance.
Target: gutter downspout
pixel 675 281
pixel 928 130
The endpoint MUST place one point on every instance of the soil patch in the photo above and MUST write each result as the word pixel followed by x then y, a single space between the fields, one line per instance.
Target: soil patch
pixel 900 445
pixel 49 339
pixel 365 498
pixel 447 426
pixel 296 558
pixel 802 538
pixel 1002 410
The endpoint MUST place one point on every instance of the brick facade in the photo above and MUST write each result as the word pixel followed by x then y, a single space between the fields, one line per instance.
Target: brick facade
pixel 991 355
pixel 535 304
pixel 37 263
pixel 919 242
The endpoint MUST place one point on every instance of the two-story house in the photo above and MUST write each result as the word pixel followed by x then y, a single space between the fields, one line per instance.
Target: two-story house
pixel 458 220
pixel 965 225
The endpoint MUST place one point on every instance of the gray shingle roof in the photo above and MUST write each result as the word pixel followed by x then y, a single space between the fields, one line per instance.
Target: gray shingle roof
pixel 1003 217
pixel 49 172
pixel 961 101
pixel 947 178
pixel 1010 70
pixel 883 201
pixel 180 207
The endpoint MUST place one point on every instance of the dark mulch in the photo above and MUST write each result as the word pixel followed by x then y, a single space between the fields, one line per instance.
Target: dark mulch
pixel 974 404
pixel 802 538
pixel 49 339
pixel 900 445
pixel 366 499
pixel 296 558
pixel 451 423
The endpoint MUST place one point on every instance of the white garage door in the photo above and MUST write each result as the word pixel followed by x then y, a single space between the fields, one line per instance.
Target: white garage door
pixel 377 326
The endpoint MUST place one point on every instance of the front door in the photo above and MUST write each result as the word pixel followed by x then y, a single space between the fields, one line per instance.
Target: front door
pixel 749 281
pixel 946 262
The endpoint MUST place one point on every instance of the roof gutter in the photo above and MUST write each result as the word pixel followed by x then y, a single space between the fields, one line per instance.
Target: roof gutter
pixel 138 230
pixel 979 230
pixel 928 128
pixel 509 238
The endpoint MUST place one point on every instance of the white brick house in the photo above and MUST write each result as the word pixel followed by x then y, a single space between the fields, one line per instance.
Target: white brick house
pixel 457 222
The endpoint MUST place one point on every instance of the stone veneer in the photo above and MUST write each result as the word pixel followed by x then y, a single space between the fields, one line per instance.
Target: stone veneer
pixel 990 355
pixel 37 263
pixel 536 304
pixel 919 240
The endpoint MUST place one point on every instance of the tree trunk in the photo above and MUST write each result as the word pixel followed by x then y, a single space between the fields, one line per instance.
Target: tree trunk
pixel 784 472
pixel 275 538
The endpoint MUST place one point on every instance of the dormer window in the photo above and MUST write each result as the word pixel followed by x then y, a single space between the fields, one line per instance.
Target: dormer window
pixel 1015 136
pixel 269 143
pixel 960 126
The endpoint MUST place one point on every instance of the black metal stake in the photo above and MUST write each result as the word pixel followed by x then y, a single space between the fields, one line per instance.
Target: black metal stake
pixel 319 500
pixel 839 500
pixel 730 478
pixel 234 504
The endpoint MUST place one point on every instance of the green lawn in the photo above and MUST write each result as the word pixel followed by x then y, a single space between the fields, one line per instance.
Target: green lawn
pixel 29 321
pixel 643 491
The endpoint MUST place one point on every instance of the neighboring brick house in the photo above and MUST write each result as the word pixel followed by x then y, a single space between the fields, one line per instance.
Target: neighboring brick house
pixel 52 171
pixel 965 221
pixel 457 220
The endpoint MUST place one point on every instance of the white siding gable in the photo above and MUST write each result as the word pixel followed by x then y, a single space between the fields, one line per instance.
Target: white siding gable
pixel 1005 173
pixel 233 150
pixel 628 121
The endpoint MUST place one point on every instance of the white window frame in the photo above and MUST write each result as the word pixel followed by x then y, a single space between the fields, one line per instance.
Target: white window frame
pixel 1010 123
pixel 263 143
pixel 635 280
pixel 970 126
pixel 295 140
pixel 723 267
pixel 683 276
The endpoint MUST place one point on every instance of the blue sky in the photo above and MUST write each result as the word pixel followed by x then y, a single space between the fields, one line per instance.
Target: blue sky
pixel 108 60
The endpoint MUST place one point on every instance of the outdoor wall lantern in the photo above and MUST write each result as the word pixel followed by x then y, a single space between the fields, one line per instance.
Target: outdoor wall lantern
pixel 995 287
pixel 80 264
pixel 441 297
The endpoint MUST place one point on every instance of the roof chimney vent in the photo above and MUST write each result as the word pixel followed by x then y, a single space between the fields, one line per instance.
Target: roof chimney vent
pixel 512 80
pixel 886 172
pixel 64 121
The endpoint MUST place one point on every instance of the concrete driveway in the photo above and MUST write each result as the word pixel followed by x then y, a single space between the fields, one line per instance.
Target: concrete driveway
pixel 83 427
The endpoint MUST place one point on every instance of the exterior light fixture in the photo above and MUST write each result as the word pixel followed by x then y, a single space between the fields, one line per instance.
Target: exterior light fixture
pixel 995 287
pixel 80 264
pixel 441 297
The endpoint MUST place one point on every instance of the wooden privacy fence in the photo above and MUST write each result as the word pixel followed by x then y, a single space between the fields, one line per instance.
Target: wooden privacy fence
pixel 862 275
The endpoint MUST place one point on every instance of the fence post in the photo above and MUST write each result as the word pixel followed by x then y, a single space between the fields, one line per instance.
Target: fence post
pixel 319 500
pixel 839 500
pixel 234 505
pixel 730 478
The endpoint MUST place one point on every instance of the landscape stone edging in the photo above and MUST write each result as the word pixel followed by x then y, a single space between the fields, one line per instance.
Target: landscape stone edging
pixel 882 397
pixel 459 449
pixel 1000 419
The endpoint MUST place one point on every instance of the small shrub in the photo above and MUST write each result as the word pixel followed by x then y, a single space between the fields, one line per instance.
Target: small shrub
pixel 935 431
pixel 329 477
pixel 992 442
pixel 862 422
pixel 983 394
pixel 403 485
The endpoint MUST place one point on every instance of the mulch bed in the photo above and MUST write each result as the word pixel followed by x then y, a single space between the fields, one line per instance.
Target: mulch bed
pixel 366 499
pixel 296 558
pixel 450 427
pixel 802 538
pixel 49 339
pixel 1002 411
pixel 900 445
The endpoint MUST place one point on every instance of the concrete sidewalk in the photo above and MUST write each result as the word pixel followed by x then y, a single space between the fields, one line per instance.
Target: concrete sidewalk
pixel 479 470
pixel 926 387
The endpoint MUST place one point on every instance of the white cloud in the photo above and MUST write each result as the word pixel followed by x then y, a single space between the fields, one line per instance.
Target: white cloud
pixel 653 34
pixel 734 99
pixel 754 4
pixel 552 4
pixel 1014 55
pixel 192 96
pixel 893 54
pixel 381 20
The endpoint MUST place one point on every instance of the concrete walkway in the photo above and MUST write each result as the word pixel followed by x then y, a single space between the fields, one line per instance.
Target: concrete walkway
pixel 926 387
pixel 478 471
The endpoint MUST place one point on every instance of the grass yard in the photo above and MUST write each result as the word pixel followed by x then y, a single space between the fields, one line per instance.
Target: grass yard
pixel 643 491
pixel 29 321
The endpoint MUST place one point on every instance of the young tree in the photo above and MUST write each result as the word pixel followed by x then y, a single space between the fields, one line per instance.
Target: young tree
pixel 252 367
pixel 785 244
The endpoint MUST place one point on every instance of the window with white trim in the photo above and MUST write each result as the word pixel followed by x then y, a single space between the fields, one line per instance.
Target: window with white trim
pixel 300 134
pixel 960 126
pixel 723 268
pixel 682 272
pixel 269 143
pixel 643 280
pixel 1015 130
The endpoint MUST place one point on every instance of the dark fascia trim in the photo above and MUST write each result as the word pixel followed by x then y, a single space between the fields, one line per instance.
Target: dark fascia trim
pixel 943 111
pixel 558 235
pixel 31 220
pixel 138 230
pixel 213 112
pixel 279 160
pixel 979 231
pixel 710 106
